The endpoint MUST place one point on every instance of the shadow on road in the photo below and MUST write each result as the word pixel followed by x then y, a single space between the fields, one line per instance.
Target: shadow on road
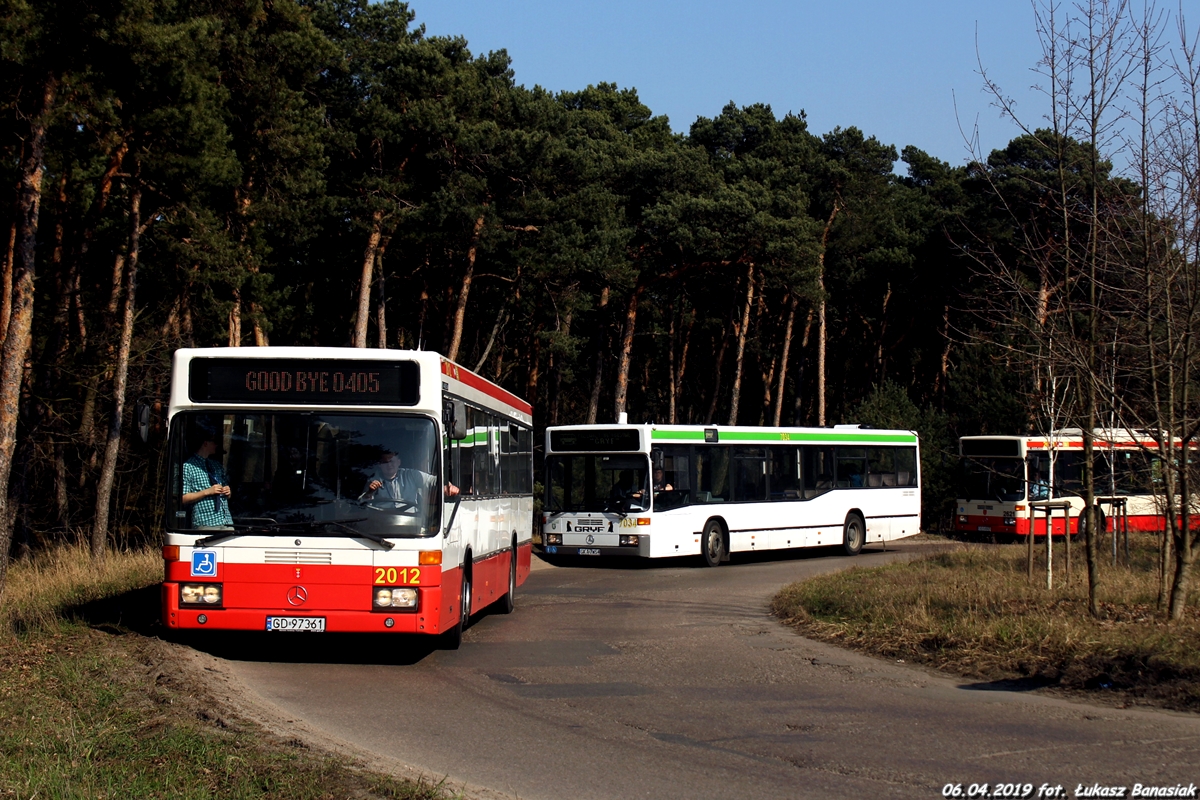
pixel 139 612
pixel 696 562
pixel 1010 685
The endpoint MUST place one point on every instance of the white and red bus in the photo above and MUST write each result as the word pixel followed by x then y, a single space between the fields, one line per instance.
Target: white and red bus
pixel 338 489
pixel 1000 475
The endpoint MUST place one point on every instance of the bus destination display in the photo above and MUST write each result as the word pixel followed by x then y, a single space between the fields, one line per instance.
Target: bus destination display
pixel 304 381
pixel 611 440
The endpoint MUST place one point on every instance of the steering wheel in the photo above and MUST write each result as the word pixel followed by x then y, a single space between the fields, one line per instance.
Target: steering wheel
pixel 393 506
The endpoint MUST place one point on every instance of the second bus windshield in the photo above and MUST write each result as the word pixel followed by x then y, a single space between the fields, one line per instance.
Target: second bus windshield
pixel 595 483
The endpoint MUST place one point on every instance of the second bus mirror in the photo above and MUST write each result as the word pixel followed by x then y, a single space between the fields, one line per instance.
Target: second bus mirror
pixel 656 458
pixel 456 419
pixel 141 414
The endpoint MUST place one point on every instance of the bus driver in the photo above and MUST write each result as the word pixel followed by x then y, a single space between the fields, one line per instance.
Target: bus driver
pixel 399 484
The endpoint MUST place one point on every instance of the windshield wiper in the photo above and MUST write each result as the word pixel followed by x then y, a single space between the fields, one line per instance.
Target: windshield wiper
pixel 271 527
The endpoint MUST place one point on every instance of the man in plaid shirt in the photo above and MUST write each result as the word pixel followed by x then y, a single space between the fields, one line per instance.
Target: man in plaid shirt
pixel 206 486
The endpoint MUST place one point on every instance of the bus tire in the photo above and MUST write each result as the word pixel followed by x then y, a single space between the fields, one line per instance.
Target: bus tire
pixel 854 533
pixel 452 639
pixel 509 601
pixel 713 545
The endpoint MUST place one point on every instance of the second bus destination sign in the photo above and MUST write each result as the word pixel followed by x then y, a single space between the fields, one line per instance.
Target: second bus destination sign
pixel 304 381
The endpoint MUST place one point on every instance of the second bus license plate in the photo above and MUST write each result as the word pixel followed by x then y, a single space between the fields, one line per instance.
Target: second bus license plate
pixel 310 624
pixel 589 551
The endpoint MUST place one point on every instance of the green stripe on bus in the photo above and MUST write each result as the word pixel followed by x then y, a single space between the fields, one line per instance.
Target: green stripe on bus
pixel 777 436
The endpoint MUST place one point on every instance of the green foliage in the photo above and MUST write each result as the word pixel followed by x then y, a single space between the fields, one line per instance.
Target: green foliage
pixel 279 147
pixel 889 406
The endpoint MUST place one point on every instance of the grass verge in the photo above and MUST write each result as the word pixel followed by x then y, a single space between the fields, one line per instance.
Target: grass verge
pixel 971 610
pixel 94 712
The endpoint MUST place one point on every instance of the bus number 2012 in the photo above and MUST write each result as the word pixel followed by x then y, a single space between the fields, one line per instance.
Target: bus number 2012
pixel 397 576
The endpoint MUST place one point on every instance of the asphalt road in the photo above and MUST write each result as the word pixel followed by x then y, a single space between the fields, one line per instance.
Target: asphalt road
pixel 669 680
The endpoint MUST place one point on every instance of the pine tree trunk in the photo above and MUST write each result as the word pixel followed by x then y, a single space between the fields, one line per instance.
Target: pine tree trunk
pixel 381 328
pixel 798 401
pixel 594 402
pixel 20 324
pixel 6 283
pixel 783 360
pixel 821 329
pixel 534 373
pixel 556 392
pixel 460 311
pixel 741 346
pixel 716 390
pixel 626 354
pixel 235 319
pixel 364 282
pixel 683 362
pixel 108 469
pixel 260 333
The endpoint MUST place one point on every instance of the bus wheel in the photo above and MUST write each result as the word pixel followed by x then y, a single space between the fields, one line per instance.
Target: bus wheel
pixel 509 601
pixel 712 544
pixel 452 639
pixel 853 534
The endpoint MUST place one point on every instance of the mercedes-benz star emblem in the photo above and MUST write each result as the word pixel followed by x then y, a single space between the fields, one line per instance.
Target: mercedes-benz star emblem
pixel 297 595
pixel 591 539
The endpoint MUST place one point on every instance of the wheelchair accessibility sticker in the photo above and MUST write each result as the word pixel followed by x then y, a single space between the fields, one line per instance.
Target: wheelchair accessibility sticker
pixel 204 563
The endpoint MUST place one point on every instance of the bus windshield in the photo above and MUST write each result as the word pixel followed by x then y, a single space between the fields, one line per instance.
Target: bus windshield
pixel 597 482
pixel 992 478
pixel 325 473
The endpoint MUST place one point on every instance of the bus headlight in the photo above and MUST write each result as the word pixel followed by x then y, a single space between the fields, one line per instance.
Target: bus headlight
pixel 553 538
pixel 962 518
pixel 395 597
pixel 628 540
pixel 200 594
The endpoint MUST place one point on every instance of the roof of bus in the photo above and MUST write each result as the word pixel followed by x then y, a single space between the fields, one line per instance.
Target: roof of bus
pixel 848 434
pixel 1072 438
pixel 426 358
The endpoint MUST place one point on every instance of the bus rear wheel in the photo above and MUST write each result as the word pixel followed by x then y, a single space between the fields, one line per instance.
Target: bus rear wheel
pixel 713 545
pixel 509 601
pixel 452 639
pixel 854 533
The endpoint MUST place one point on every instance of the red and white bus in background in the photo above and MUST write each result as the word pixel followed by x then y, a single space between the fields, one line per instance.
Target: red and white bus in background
pixel 338 489
pixel 1000 475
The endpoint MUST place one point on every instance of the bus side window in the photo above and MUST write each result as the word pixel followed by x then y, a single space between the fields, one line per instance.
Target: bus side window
pixel 525 438
pixel 881 467
pixel 785 473
pixel 906 466
pixel 851 467
pixel 482 457
pixel 751 473
pixel 712 474
pixel 465 451
pixel 818 470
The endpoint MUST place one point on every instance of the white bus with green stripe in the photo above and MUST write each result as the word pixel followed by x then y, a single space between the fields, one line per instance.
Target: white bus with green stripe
pixel 683 490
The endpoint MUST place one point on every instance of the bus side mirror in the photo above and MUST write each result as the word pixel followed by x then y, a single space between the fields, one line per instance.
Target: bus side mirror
pixel 656 458
pixel 454 414
pixel 143 411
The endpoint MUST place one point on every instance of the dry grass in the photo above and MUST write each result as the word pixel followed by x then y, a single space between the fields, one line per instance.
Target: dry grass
pixel 40 590
pixel 95 710
pixel 971 610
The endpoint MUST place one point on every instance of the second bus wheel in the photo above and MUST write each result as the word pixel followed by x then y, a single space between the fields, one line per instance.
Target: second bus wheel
pixel 713 544
pixel 452 639
pixel 854 533
pixel 509 601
